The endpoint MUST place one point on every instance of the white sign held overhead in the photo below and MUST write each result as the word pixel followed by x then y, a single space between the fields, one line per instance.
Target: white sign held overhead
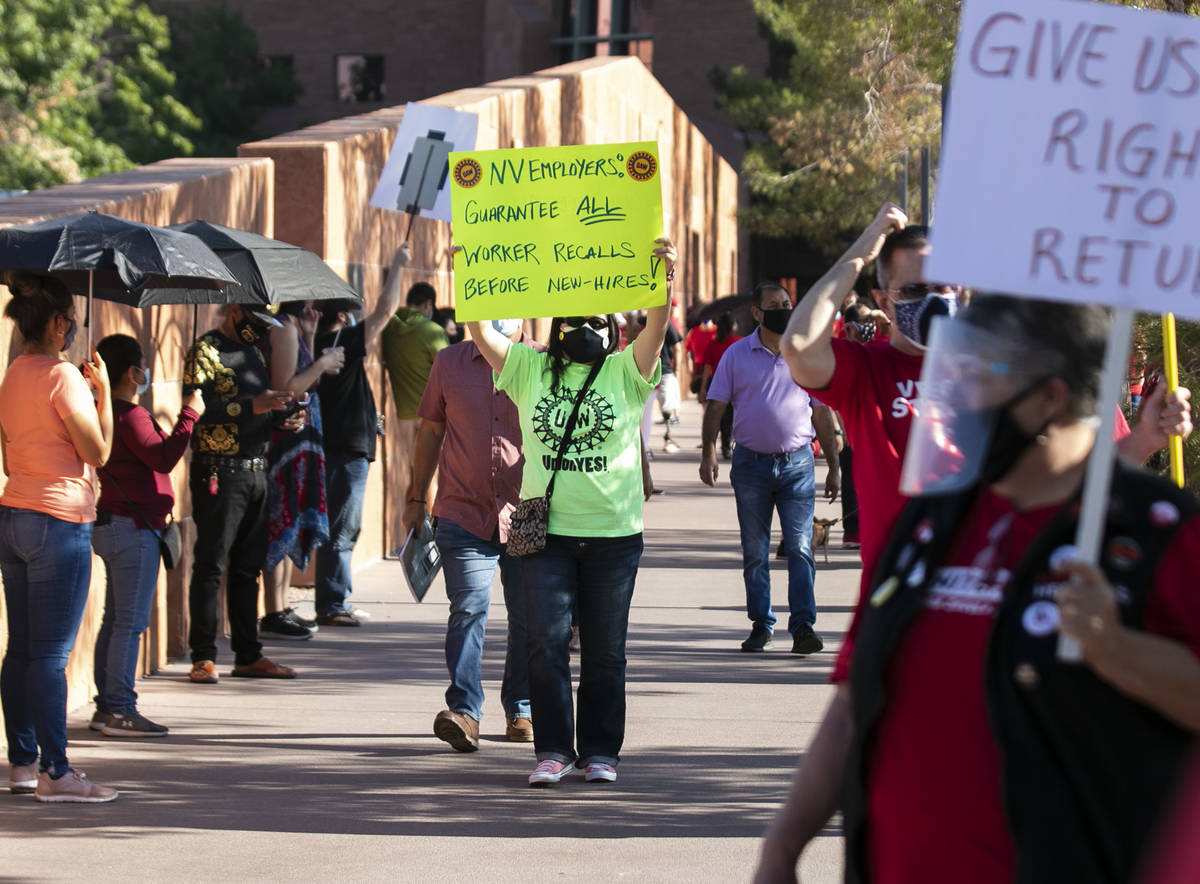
pixel 414 179
pixel 1071 159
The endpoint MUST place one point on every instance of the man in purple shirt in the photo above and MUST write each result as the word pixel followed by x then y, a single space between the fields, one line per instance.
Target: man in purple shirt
pixel 773 428
pixel 471 431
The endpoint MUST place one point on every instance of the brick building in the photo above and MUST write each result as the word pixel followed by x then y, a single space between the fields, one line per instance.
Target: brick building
pixel 357 56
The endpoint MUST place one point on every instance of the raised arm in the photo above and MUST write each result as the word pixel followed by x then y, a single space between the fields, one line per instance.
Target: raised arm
pixel 493 345
pixel 92 432
pixel 647 347
pixel 806 341
pixel 389 299
pixel 285 350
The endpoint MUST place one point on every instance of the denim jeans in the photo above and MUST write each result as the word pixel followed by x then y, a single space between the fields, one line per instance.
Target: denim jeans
pixel 761 484
pixel 596 576
pixel 468 565
pixel 345 489
pixel 46 564
pixel 131 560
pixel 231 535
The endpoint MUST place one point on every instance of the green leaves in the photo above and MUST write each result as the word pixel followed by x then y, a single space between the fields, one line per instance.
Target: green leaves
pixel 89 87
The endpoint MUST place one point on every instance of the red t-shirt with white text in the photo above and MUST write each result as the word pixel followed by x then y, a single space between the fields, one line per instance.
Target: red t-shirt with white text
pixel 935 807
pixel 872 389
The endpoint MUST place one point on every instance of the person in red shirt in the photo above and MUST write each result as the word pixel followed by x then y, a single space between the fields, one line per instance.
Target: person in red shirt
pixel 961 748
pixel 136 499
pixel 694 344
pixel 722 341
pixel 873 386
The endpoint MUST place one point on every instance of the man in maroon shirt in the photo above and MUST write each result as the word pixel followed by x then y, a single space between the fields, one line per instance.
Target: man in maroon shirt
pixel 470 432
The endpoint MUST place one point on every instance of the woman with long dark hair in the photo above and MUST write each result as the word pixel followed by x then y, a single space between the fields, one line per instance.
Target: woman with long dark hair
pixel 594 541
pixel 53 432
pixel 136 499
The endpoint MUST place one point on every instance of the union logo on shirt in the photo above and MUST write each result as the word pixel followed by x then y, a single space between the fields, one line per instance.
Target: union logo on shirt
pixel 967 590
pixel 592 428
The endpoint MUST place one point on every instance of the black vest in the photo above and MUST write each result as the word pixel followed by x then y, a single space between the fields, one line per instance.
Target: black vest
pixel 1086 770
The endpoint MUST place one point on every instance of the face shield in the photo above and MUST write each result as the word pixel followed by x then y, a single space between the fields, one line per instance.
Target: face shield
pixel 969 378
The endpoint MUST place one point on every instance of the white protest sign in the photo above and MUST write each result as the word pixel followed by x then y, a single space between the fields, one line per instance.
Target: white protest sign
pixel 414 179
pixel 1072 155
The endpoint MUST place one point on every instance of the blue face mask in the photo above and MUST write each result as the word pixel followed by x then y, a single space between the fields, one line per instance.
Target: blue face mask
pixel 144 385
pixel 69 337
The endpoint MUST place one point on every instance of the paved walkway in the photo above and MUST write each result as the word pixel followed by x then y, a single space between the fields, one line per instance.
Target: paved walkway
pixel 336 776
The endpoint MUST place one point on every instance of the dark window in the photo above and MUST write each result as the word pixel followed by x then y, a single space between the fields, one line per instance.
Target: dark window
pixel 605 27
pixel 360 78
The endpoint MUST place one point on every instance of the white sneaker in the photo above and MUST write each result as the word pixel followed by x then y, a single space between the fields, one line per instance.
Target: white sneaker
pixel 670 448
pixel 599 772
pixel 361 614
pixel 548 771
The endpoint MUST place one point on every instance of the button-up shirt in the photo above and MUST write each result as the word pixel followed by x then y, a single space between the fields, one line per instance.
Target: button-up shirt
pixel 771 414
pixel 479 470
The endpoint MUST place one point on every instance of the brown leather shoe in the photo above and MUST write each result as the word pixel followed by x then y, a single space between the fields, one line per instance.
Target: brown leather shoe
pixel 519 730
pixel 263 668
pixel 203 672
pixel 460 731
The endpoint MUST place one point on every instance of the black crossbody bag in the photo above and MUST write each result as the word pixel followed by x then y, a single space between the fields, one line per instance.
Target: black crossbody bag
pixel 531 518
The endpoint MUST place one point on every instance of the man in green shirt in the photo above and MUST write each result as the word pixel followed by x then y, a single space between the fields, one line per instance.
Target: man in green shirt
pixel 411 340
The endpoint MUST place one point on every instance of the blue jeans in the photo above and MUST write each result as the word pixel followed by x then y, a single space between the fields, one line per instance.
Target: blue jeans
pixel 761 484
pixel 345 489
pixel 594 575
pixel 469 564
pixel 131 558
pixel 47 567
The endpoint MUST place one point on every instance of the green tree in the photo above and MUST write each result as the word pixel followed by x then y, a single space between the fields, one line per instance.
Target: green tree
pixel 223 77
pixel 850 85
pixel 84 91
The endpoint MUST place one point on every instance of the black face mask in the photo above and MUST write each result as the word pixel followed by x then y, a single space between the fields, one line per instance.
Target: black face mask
pixel 1008 443
pixel 584 345
pixel 776 320
pixel 248 331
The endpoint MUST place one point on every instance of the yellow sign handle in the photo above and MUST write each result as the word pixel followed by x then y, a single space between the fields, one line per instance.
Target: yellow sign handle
pixel 1171 373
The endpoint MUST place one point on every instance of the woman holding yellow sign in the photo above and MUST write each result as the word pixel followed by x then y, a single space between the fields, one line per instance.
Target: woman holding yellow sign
pixel 580 405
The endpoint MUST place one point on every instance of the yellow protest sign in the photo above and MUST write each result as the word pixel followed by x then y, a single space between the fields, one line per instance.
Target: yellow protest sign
pixel 556 231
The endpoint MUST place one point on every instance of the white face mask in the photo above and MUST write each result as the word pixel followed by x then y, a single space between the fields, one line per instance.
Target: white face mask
pixel 507 327
pixel 145 384
pixel 351 320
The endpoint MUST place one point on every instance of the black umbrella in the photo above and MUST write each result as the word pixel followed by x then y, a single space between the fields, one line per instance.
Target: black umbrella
pixel 111 258
pixel 722 306
pixel 266 271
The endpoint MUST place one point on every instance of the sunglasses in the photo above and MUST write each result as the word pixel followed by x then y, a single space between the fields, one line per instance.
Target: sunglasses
pixel 599 323
pixel 916 290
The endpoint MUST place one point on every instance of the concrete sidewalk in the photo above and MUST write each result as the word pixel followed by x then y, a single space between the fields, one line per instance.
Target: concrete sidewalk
pixel 336 776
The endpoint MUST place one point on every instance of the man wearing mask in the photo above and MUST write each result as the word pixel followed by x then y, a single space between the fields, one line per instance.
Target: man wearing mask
pixel 229 489
pixel 773 428
pixel 351 425
pixel 471 434
pixel 873 385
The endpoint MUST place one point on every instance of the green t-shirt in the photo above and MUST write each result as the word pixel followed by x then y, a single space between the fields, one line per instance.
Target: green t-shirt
pixel 598 492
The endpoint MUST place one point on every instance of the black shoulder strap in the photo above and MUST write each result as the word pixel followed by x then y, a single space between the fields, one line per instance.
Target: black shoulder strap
pixel 137 509
pixel 570 427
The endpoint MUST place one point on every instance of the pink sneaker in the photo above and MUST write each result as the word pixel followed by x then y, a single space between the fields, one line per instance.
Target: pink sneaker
pixel 599 772
pixel 73 787
pixel 548 771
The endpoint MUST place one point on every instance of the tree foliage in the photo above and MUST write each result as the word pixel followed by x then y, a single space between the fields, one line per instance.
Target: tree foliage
pixel 84 90
pixel 223 77
pixel 848 88
pixel 95 86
